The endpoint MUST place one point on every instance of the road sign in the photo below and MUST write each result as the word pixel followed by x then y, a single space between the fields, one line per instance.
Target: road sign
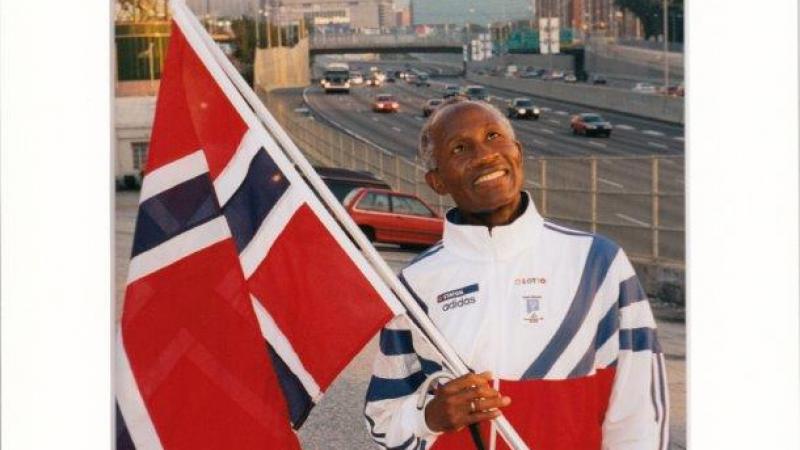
pixel 549 35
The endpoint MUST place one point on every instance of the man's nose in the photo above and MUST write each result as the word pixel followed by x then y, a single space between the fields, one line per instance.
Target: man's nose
pixel 485 152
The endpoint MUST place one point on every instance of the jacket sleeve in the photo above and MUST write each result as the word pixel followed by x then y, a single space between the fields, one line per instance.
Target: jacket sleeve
pixel 638 410
pixel 400 369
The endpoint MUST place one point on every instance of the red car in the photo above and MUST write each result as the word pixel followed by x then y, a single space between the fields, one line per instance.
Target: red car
pixel 385 103
pixel 393 217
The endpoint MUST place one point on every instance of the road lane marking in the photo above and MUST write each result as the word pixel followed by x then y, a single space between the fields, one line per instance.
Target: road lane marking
pixel 374 119
pixel 597 144
pixel 678 138
pixel 631 219
pixel 562 113
pixel 656 144
pixel 652 133
pixel 537 141
pixel 397 129
pixel 544 108
pixel 622 126
pixel 418 118
pixel 610 183
pixel 546 131
pixel 554 121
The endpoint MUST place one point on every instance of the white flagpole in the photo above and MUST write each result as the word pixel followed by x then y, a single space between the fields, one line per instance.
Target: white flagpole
pixel 184 17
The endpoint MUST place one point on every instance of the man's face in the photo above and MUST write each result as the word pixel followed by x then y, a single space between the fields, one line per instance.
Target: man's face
pixel 479 162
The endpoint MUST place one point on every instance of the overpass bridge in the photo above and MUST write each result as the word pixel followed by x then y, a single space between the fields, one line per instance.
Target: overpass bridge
pixel 321 44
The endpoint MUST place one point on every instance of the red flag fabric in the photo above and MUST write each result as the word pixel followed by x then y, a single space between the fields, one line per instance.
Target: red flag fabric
pixel 244 299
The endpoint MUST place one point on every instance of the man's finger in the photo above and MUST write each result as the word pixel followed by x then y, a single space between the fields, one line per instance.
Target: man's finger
pixel 466 381
pixel 487 404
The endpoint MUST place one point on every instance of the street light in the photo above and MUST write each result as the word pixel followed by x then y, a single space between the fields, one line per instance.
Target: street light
pixel 666 47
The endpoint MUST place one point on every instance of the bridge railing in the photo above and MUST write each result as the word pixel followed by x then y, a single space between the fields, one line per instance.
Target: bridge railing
pixel 636 201
pixel 383 40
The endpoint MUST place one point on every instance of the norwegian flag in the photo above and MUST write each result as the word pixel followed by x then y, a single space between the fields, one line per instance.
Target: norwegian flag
pixel 244 298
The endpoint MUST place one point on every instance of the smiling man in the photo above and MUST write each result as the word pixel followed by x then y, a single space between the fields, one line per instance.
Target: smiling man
pixel 553 321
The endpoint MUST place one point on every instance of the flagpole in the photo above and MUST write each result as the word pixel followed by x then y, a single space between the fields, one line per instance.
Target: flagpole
pixel 183 15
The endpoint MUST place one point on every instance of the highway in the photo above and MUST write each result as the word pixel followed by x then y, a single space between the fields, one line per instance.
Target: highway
pixel 624 167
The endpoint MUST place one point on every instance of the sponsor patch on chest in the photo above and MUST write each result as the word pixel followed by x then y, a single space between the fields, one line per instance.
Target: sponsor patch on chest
pixel 531 290
pixel 458 298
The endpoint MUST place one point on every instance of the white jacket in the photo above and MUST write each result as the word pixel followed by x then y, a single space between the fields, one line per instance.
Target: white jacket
pixel 557 315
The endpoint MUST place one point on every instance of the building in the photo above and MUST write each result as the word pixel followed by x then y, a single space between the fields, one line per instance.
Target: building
pixel 352 14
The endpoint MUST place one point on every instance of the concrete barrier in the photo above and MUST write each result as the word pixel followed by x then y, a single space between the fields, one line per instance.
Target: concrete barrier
pixel 282 67
pixel 668 109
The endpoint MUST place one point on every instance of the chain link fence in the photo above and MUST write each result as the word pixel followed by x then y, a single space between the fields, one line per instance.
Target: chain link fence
pixel 636 201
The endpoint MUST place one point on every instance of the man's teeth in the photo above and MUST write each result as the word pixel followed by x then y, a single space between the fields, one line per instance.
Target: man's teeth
pixel 490 176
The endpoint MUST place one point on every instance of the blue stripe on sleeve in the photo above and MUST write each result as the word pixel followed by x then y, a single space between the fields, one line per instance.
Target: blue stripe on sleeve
pixel 638 339
pixel 174 211
pixel 385 388
pixel 396 342
pixel 601 254
pixel 297 398
pixel 630 291
pixel 429 367
pixel 256 196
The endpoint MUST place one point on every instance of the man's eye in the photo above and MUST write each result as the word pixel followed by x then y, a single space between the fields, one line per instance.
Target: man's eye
pixel 458 149
pixel 492 135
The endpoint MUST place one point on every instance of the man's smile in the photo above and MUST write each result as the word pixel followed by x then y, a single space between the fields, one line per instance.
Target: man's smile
pixel 494 174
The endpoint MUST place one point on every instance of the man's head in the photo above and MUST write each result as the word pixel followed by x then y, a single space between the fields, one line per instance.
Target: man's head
pixel 472 154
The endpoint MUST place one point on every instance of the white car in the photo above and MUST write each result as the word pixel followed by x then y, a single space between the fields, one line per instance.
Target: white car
pixel 356 78
pixel 644 88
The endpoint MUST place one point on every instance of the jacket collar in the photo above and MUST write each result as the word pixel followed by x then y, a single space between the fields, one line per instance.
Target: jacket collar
pixel 477 243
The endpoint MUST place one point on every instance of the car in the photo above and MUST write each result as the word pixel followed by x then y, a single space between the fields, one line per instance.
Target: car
pixel 385 103
pixel 644 88
pixel 451 90
pixel 430 105
pixel 590 124
pixel 598 79
pixel 522 108
pixel 553 75
pixel 422 80
pixel 570 78
pixel 476 92
pixel 390 78
pixel 393 217
pixel 531 74
pixel 356 78
pixel 374 81
pixel 675 90
pixel 341 181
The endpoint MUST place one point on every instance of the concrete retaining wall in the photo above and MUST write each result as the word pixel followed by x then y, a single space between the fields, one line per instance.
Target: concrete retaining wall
pixel 668 109
pixel 282 67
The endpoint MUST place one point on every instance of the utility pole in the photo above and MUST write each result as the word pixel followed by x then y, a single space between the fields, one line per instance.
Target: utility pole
pixel 666 46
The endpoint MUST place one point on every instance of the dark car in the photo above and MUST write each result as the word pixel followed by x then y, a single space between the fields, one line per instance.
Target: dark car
pixel 598 79
pixel 393 217
pixel 522 108
pixel 475 92
pixel 422 80
pixel 342 181
pixel 430 105
pixel 451 90
pixel 590 124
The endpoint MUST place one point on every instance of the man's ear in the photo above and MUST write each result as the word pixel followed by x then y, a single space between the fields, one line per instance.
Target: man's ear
pixel 434 180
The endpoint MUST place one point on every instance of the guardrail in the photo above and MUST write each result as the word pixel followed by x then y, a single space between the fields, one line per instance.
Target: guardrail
pixel 636 201
pixel 320 41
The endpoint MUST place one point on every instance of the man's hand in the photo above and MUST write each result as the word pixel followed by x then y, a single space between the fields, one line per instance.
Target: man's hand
pixel 465 400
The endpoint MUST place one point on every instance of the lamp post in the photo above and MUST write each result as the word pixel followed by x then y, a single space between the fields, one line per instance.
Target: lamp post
pixel 666 46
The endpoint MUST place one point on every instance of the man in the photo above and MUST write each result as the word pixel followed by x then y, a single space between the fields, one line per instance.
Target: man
pixel 553 321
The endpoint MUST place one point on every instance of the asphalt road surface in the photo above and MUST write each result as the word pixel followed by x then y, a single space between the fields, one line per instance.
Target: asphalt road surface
pixel 337 422
pixel 624 167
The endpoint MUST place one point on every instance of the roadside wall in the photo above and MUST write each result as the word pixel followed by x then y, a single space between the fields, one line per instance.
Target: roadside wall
pixel 282 67
pixel 668 109
pixel 133 123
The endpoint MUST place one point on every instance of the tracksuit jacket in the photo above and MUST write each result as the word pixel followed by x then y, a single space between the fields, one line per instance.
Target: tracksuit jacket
pixel 556 314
